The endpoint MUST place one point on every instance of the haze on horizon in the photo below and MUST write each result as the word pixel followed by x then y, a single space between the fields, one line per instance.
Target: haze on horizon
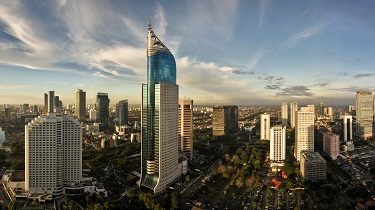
pixel 236 52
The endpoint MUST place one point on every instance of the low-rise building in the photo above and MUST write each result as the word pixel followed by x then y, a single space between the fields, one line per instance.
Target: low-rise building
pixel 312 166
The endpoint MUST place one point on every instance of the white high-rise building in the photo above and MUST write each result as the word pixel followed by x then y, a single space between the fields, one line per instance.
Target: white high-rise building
pixel 277 143
pixel 185 127
pixel 284 114
pixel 304 131
pixel 92 114
pixel 265 125
pixel 345 118
pixel 293 109
pixel 53 154
pixel 364 105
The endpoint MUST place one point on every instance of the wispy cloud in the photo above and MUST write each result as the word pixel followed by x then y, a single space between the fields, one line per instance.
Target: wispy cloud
pixel 262 8
pixel 357 76
pixel 295 91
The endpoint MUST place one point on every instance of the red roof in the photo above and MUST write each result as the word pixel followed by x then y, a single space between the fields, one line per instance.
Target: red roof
pixel 275 183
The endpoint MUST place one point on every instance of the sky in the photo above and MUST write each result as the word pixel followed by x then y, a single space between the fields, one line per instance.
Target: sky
pixel 227 52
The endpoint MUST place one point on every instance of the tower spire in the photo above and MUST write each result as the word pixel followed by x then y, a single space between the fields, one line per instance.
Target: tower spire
pixel 149 24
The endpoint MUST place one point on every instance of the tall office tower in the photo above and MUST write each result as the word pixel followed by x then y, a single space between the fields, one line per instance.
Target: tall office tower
pixel 53 154
pixel 364 103
pixel 102 108
pixel 277 143
pixel 313 166
pixel 321 109
pixel 159 153
pixel 347 121
pixel 7 115
pixel 45 107
pixel 57 102
pixel 293 109
pixel 122 111
pixel 331 145
pixel 51 101
pixel 265 126
pixel 284 114
pixel 304 132
pixel 185 127
pixel 25 107
pixel 330 111
pixel 80 106
pixel 225 120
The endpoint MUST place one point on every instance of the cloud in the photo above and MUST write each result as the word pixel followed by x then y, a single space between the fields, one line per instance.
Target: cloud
pixel 357 60
pixel 242 72
pixel 262 8
pixel 357 76
pixel 56 83
pixel 272 82
pixel 296 91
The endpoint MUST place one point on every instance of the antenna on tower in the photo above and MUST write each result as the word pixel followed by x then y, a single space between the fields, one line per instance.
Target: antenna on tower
pixel 149 23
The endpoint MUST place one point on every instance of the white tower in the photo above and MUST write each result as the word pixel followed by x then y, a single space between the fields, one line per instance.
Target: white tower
pixel 304 132
pixel 265 127
pixel 364 105
pixel 185 123
pixel 345 119
pixel 293 109
pixel 277 143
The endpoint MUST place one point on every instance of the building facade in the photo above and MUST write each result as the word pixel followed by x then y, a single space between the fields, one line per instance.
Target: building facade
pixel 102 108
pixel 51 101
pixel 304 131
pixel 53 154
pixel 277 144
pixel 293 109
pixel 159 144
pixel 284 114
pixel 122 111
pixel 225 120
pixel 364 110
pixel 185 127
pixel 347 123
pixel 265 125
pixel 80 105
pixel 313 166
pixel 331 145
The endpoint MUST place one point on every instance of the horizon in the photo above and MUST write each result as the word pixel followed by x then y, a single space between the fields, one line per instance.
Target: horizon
pixel 236 52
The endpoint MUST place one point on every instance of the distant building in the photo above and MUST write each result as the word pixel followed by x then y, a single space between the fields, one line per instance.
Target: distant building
pixel 224 120
pixel 347 123
pixel 330 111
pixel 122 111
pixel 51 101
pixel 7 117
pixel 293 109
pixel 102 108
pixel 185 127
pixel 312 166
pixel 321 109
pixel 80 105
pixel 265 125
pixel 304 131
pixel 92 114
pixel 349 146
pixel 284 114
pixel 331 145
pixel 45 107
pixel 365 114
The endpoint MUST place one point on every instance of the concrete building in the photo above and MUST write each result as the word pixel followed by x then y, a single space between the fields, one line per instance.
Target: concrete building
pixel 159 119
pixel 312 166
pixel 284 114
pixel 330 112
pixel 347 122
pixel 185 127
pixel 265 125
pixel 92 114
pixel 331 145
pixel 51 101
pixel 122 112
pixel 102 108
pixel 304 131
pixel 45 107
pixel 321 109
pixel 364 106
pixel 80 105
pixel 53 154
pixel 277 144
pixel 224 120
pixel 293 109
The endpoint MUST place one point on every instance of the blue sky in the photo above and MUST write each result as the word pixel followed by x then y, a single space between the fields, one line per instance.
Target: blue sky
pixel 227 52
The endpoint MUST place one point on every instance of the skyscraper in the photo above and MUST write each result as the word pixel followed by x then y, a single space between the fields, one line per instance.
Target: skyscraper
pixel 321 109
pixel 159 153
pixel 185 127
pixel 265 126
pixel 277 143
pixel 122 111
pixel 224 120
pixel 304 131
pixel 53 153
pixel 364 106
pixel 102 108
pixel 293 109
pixel 51 101
pixel 331 145
pixel 45 107
pixel 80 106
pixel 347 121
pixel 284 114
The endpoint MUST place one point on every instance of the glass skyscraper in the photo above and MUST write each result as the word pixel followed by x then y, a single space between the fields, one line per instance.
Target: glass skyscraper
pixel 159 118
pixel 102 108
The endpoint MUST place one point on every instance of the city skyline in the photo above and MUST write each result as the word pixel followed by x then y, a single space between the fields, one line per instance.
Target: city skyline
pixel 260 53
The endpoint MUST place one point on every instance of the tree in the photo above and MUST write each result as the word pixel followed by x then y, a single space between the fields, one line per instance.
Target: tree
pixel 239 182
pixel 227 157
pixel 174 201
pixel 12 205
